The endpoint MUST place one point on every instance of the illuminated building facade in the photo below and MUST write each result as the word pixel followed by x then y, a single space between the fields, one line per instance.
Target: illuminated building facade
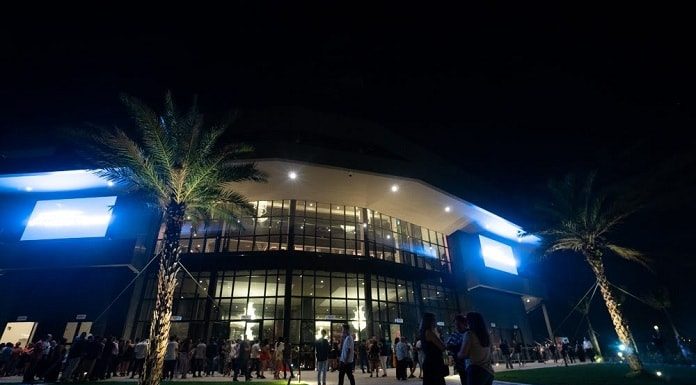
pixel 327 244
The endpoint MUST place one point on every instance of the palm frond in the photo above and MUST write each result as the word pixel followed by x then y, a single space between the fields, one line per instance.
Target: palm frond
pixel 630 255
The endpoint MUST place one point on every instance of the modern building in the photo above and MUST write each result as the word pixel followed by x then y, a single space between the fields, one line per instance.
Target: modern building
pixel 328 244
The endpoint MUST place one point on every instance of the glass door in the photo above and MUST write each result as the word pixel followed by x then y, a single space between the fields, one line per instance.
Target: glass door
pixel 253 330
pixel 245 330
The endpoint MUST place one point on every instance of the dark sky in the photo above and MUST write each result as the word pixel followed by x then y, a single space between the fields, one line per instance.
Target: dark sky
pixel 513 95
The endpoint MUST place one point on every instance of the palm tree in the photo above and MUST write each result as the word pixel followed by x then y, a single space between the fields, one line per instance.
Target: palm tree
pixel 581 221
pixel 176 161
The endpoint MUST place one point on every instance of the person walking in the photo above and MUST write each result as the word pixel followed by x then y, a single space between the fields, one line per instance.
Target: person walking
pixel 385 352
pixel 517 353
pixel 434 369
pixel 505 351
pixel 347 357
pixel 373 356
pixel 321 347
pixel 476 347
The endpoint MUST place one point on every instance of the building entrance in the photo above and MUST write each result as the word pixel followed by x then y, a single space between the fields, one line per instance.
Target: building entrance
pixel 22 332
pixel 245 330
pixel 74 329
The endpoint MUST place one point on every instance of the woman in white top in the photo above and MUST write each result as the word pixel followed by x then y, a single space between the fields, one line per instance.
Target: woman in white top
pixel 476 347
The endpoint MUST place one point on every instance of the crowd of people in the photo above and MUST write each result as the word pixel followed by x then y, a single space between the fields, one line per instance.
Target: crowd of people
pixel 469 348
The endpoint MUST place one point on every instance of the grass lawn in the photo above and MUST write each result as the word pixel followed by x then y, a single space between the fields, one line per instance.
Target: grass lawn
pixel 598 374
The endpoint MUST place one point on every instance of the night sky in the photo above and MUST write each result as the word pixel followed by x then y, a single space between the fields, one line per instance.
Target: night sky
pixel 513 96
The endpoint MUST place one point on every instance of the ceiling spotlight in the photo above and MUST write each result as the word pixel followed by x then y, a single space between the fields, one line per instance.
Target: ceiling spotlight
pixel 448 209
pixel 292 175
pixel 395 188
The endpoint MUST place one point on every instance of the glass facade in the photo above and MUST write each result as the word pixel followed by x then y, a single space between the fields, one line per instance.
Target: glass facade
pixel 322 228
pixel 224 301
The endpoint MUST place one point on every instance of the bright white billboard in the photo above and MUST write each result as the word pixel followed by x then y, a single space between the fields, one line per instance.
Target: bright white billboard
pixel 497 255
pixel 69 218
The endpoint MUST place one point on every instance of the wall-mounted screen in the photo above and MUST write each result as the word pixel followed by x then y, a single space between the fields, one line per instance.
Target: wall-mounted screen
pixel 497 255
pixel 69 218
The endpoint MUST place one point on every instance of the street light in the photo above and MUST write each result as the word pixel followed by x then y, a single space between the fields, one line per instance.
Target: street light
pixel 656 327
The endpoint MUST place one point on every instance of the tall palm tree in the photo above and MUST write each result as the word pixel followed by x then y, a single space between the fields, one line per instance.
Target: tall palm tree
pixel 581 220
pixel 177 162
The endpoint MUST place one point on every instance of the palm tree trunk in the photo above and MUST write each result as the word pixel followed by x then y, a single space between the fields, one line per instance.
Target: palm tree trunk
pixel 677 337
pixel 166 283
pixel 617 318
pixel 593 338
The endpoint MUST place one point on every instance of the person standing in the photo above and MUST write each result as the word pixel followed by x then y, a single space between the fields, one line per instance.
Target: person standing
pixel 401 355
pixel 362 355
pixel 321 347
pixel 243 361
pixel 287 360
pixel 505 351
pixel 373 356
pixel 587 347
pixel 476 347
pixel 139 352
pixel 199 355
pixel 517 353
pixel 278 357
pixel 184 357
pixel 333 355
pixel 434 369
pixel 265 357
pixel 346 359
pixel 255 358
pixel 211 353
pixel 170 356
pixel 454 346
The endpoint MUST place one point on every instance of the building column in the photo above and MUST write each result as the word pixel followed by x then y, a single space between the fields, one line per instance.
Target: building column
pixel 367 294
pixel 287 300
pixel 211 309
pixel 291 225
pixel 548 323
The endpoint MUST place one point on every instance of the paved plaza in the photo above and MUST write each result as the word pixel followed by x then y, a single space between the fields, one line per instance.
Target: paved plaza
pixel 309 377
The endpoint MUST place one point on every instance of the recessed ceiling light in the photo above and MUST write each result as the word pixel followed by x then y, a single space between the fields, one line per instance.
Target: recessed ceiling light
pixel 292 175
pixel 395 188
pixel 448 209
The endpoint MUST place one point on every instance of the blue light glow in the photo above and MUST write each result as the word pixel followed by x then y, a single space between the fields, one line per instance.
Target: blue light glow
pixel 69 218
pixel 53 181
pixel 497 255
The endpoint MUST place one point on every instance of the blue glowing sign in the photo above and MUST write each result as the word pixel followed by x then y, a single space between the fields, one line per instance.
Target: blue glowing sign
pixel 497 255
pixel 69 218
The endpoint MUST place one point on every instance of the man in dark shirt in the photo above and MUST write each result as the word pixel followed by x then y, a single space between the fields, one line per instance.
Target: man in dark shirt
pixel 322 351
pixel 211 352
pixel 74 356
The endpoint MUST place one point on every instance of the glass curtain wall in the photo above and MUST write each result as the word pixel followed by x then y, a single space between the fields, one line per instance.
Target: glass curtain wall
pixel 322 228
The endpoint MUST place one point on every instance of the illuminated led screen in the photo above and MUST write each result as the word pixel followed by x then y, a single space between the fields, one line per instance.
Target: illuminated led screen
pixel 69 218
pixel 497 255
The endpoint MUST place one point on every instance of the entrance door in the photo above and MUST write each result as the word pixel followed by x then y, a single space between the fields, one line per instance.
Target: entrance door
pixel 394 332
pixel 75 329
pixel 19 332
pixel 245 330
